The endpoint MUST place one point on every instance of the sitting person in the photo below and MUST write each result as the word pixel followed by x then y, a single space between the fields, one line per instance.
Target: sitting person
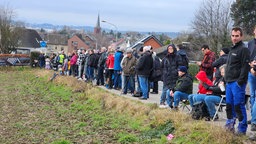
pixel 183 87
pixel 202 78
pixel 218 89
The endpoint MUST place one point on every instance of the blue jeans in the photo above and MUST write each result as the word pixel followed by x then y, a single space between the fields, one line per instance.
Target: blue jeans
pixel 178 96
pixel 163 95
pixel 210 101
pixel 192 98
pixel 252 83
pixel 128 81
pixel 169 98
pixel 117 79
pixel 138 89
pixel 144 86
pixel 90 72
pixel 199 97
pixel 235 100
pixel 253 121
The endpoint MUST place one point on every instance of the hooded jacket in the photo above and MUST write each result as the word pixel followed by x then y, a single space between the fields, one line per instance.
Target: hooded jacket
pixel 170 64
pixel 201 75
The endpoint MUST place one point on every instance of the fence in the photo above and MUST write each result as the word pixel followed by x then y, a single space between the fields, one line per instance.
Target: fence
pixel 14 60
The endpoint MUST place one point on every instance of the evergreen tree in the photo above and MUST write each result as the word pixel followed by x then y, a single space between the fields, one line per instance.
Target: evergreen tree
pixel 243 13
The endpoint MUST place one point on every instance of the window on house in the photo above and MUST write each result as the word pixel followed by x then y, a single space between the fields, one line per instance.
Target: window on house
pixel 74 43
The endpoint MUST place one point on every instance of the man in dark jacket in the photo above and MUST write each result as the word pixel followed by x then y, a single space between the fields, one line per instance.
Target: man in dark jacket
pixel 101 64
pixel 143 69
pixel 236 76
pixel 220 61
pixel 183 87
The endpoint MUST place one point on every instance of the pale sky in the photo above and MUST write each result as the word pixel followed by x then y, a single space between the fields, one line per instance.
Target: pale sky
pixel 126 15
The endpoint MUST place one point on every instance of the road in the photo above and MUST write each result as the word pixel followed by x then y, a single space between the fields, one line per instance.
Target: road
pixel 155 98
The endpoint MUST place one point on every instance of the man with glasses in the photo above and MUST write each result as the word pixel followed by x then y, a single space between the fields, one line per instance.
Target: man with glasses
pixel 206 64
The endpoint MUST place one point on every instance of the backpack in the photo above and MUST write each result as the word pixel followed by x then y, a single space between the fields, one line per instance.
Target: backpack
pixel 199 110
pixel 184 59
pixel 156 72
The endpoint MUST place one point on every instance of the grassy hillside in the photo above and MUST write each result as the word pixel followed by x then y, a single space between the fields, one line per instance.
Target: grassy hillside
pixel 35 110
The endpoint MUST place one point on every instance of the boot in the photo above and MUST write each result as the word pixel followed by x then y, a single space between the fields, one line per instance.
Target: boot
pixel 230 125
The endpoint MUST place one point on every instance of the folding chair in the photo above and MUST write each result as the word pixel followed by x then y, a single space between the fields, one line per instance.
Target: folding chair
pixel 184 104
pixel 220 105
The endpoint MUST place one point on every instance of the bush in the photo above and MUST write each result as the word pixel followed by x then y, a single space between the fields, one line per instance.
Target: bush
pixel 193 70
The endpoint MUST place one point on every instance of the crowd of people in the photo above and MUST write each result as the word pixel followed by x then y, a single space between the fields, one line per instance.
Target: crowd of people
pixel 120 68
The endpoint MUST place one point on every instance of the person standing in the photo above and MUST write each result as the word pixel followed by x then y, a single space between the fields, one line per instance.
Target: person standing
pixel 251 75
pixel 143 69
pixel 101 64
pixel 128 65
pixel 236 75
pixel 206 63
pixel 117 68
pixel 220 61
pixel 41 60
pixel 157 73
pixel 170 64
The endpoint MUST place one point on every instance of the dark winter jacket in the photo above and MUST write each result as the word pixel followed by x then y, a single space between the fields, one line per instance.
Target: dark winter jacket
pixel 238 64
pixel 252 49
pixel 157 70
pixel 102 59
pixel 219 62
pixel 184 84
pixel 215 88
pixel 170 64
pixel 91 60
pixel 145 64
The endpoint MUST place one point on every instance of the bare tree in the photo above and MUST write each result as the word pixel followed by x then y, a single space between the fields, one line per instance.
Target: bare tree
pixel 212 22
pixel 9 34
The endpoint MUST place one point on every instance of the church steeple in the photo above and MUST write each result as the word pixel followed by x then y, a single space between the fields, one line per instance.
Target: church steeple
pixel 97 28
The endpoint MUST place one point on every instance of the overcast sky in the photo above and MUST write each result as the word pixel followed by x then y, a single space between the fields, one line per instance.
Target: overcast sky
pixel 128 15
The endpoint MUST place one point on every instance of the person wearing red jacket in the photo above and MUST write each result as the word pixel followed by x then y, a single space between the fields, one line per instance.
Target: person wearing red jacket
pixel 202 78
pixel 73 61
pixel 110 68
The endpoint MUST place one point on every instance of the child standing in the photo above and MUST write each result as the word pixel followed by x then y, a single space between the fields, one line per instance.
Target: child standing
pixel 47 63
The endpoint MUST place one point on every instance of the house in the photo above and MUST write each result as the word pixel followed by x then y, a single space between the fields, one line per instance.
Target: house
pixel 56 43
pixel 146 41
pixel 29 40
pixel 79 41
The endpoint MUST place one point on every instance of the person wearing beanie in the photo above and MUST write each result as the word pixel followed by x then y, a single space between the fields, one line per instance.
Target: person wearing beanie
pixel 183 87
pixel 220 61
pixel 170 64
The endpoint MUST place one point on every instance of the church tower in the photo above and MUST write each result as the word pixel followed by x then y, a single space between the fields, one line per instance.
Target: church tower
pixel 97 28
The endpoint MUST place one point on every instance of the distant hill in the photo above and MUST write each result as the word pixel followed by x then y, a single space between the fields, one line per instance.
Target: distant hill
pixel 50 27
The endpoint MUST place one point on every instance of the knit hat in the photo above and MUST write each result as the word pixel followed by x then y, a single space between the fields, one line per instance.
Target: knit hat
pixel 146 48
pixel 129 50
pixel 225 50
pixel 183 69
